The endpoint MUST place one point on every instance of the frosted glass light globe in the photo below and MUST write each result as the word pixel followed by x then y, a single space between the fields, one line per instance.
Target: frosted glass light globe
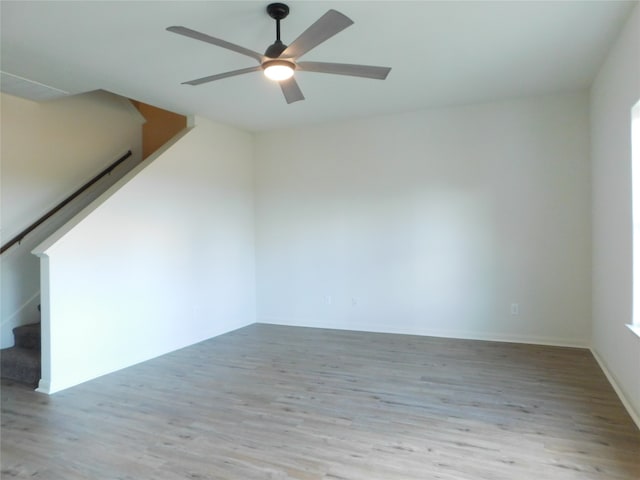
pixel 278 70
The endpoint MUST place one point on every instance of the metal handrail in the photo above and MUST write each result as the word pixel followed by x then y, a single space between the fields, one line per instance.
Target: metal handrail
pixel 18 238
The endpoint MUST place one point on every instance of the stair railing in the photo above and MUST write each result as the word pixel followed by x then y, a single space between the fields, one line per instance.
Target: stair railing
pixel 18 238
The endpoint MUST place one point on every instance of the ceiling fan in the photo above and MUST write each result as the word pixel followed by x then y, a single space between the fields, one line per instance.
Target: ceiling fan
pixel 280 61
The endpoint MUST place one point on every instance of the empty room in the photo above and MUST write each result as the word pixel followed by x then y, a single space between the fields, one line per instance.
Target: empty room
pixel 320 240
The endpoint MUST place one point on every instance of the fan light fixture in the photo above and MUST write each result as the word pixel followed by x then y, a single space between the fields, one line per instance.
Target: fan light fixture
pixel 278 70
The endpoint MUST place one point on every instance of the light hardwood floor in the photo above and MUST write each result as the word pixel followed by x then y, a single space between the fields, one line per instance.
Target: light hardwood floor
pixel 271 402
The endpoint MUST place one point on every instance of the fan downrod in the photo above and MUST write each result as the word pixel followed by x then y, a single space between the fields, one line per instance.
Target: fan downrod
pixel 278 11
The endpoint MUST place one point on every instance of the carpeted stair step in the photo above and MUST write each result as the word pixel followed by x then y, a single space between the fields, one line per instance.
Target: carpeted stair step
pixel 20 364
pixel 27 336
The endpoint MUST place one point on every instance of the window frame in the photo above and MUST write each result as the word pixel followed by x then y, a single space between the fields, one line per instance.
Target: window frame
pixel 634 326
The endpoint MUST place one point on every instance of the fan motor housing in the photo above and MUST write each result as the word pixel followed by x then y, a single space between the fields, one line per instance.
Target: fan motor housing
pixel 275 49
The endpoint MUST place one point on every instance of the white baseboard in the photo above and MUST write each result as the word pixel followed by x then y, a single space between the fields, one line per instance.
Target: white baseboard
pixel 57 381
pixel 26 313
pixel 426 332
pixel 44 387
pixel 635 416
pixel 15 317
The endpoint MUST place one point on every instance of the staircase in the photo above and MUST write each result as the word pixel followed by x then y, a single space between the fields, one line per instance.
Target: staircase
pixel 21 362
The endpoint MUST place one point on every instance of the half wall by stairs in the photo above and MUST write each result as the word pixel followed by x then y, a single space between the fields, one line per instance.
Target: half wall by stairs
pixel 166 254
pixel 21 269
pixel 49 150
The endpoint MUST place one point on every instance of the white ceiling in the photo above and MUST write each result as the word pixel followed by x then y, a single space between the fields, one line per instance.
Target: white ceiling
pixel 441 53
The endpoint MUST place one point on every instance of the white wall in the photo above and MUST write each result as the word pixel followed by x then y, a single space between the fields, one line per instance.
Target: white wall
pixel 49 150
pixel 431 222
pixel 614 92
pixel 164 262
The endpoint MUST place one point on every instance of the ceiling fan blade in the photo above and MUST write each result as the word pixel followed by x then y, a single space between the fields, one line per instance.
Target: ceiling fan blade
pixel 187 32
pixel 232 73
pixel 323 29
pixel 367 71
pixel 291 90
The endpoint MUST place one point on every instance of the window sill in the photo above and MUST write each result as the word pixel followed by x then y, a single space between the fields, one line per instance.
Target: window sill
pixel 635 329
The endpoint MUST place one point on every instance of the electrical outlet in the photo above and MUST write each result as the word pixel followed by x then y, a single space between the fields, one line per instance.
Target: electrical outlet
pixel 515 309
pixel 328 299
pixel 354 301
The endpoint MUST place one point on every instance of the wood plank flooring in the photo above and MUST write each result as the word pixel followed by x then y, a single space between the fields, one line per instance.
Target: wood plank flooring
pixel 272 402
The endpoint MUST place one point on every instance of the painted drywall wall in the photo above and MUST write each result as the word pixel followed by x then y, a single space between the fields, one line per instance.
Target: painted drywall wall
pixel 49 150
pixel 432 223
pixel 614 92
pixel 165 259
